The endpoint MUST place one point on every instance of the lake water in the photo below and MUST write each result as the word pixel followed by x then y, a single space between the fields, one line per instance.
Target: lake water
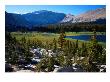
pixel 100 38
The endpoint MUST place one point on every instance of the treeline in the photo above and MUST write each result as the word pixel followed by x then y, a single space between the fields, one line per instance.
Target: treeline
pixel 55 28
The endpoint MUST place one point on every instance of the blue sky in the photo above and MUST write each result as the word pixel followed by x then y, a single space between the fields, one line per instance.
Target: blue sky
pixel 68 9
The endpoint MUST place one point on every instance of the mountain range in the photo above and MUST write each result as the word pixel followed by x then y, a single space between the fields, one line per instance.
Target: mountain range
pixel 44 17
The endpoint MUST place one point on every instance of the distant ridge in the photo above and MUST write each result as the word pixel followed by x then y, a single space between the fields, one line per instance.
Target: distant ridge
pixel 45 17
pixel 88 16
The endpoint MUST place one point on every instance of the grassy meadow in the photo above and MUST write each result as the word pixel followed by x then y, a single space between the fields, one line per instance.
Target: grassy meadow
pixel 48 37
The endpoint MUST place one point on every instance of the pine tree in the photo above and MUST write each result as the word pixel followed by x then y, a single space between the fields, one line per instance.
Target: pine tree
pixel 54 44
pixel 61 39
pixel 61 59
pixel 50 64
pixel 84 50
pixel 94 53
pixel 76 45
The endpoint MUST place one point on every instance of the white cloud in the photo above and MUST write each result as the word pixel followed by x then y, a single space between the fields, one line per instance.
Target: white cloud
pixel 20 12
